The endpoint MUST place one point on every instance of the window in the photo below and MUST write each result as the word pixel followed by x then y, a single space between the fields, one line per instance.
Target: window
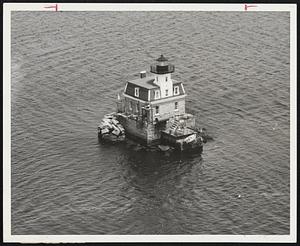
pixel 136 91
pixel 166 93
pixel 157 109
pixel 156 94
pixel 137 108
pixel 166 79
pixel 176 90
pixel 176 105
pixel 130 105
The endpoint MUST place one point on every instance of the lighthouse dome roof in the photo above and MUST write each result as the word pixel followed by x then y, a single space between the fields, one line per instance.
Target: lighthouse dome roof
pixel 161 59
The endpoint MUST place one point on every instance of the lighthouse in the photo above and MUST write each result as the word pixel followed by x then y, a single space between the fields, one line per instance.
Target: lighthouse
pixel 156 97
pixel 154 103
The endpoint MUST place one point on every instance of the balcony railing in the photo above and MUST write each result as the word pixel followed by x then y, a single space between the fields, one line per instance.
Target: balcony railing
pixel 164 116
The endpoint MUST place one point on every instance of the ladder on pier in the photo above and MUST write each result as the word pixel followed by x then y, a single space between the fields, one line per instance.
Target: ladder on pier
pixel 174 125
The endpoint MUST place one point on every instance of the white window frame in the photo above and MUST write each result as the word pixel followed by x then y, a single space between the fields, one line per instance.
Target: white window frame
pixel 156 94
pixel 176 88
pixel 136 91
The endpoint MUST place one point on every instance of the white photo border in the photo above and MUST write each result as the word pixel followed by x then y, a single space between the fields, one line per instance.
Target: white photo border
pixel 8 237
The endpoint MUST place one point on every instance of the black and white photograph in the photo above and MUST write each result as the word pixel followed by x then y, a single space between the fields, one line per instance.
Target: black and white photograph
pixel 175 122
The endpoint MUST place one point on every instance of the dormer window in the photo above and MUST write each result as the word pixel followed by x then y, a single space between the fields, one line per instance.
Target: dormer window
pixel 157 94
pixel 176 90
pixel 136 91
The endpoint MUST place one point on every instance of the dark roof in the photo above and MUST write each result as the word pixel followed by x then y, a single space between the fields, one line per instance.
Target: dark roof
pixel 145 85
pixel 161 59
pixel 146 82
pixel 176 82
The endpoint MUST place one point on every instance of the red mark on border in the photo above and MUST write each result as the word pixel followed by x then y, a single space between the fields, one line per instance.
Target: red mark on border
pixel 249 6
pixel 52 7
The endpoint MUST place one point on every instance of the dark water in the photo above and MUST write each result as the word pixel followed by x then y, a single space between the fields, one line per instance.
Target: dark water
pixel 67 68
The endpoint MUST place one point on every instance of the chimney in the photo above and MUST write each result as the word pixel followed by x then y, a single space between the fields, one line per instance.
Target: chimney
pixel 142 74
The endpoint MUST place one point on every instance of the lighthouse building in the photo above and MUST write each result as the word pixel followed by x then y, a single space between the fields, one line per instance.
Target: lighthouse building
pixel 152 102
pixel 156 97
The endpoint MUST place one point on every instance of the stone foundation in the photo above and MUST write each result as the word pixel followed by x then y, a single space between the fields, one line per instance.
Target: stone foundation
pixel 150 133
pixel 146 133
